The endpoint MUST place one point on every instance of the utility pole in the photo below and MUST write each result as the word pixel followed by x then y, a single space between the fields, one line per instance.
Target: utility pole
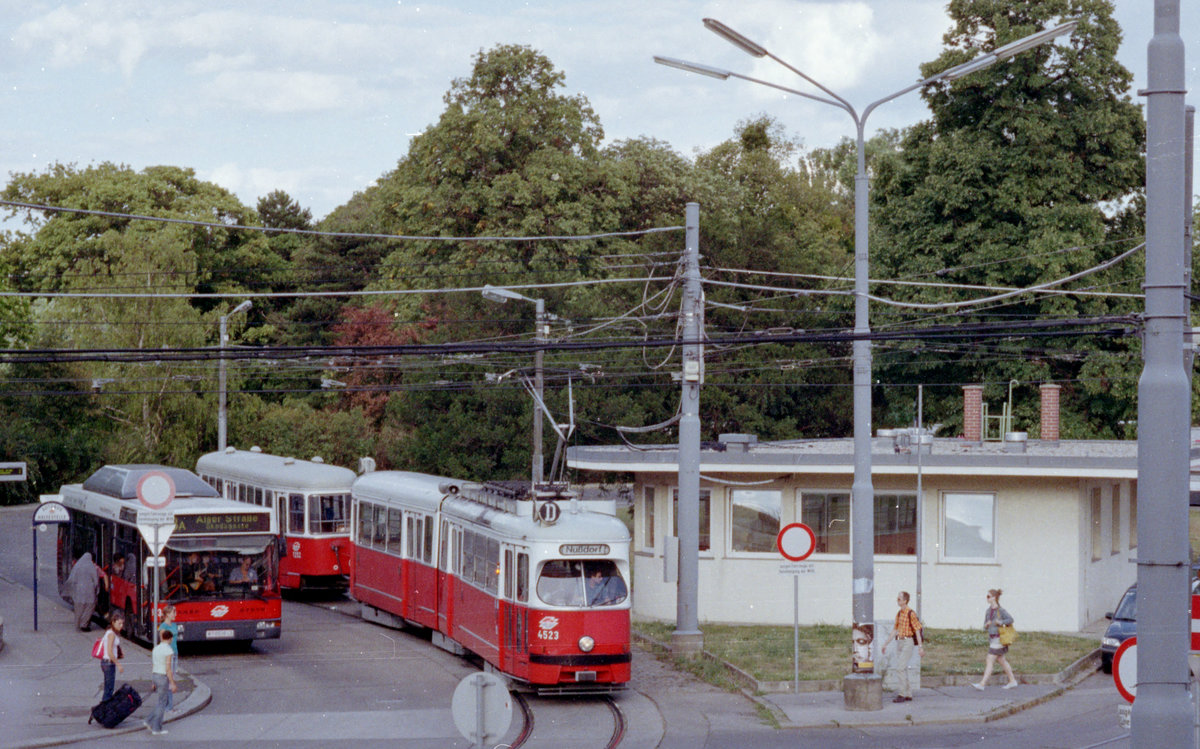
pixel 1162 714
pixel 687 639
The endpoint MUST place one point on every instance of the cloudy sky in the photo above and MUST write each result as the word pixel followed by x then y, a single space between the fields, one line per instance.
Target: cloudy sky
pixel 321 98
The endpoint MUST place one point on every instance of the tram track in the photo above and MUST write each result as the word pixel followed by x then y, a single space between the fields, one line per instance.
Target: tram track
pixel 567 714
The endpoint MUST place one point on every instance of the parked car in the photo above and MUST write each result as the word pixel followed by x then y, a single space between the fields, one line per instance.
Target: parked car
pixel 1124 623
pixel 1123 626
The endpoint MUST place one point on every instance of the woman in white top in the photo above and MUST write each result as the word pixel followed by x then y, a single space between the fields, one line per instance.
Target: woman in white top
pixel 163 676
pixel 110 661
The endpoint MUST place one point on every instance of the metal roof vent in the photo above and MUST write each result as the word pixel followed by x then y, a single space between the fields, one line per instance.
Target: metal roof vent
pixel 317 459
pixel 741 442
pixel 1014 442
pixel 255 449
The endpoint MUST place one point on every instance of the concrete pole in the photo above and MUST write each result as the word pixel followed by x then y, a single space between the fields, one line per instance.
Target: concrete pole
pixel 539 384
pixel 1162 714
pixel 862 691
pixel 687 639
pixel 221 387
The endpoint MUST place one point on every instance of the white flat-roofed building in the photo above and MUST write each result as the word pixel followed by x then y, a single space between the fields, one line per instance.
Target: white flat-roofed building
pixel 1053 523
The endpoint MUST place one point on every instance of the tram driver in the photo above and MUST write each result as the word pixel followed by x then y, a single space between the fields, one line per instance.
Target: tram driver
pixel 604 585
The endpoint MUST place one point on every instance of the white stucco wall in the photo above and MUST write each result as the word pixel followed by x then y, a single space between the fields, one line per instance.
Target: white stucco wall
pixel 1042 536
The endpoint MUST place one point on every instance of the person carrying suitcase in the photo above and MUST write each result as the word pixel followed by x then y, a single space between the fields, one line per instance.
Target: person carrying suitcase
pixel 110 659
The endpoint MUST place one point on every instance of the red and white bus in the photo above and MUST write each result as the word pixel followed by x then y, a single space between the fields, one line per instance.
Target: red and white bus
pixel 535 586
pixel 311 500
pixel 219 567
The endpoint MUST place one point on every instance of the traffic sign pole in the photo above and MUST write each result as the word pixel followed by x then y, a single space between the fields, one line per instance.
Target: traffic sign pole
pixel 795 542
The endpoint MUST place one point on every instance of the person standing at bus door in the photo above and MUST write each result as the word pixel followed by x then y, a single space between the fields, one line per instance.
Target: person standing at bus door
pixel 167 625
pixel 163 676
pixel 82 585
pixel 114 571
pixel 110 661
pixel 244 573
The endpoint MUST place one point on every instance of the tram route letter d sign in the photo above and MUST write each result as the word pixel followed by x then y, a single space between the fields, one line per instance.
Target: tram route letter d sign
pixel 548 512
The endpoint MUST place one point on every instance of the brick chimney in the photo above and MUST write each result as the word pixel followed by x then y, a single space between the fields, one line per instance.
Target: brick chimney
pixel 973 413
pixel 1050 395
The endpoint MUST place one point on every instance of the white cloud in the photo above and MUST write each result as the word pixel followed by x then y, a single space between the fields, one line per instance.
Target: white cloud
pixel 283 92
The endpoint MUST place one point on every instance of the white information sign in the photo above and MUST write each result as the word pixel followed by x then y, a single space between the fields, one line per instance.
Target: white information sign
pixel 156 527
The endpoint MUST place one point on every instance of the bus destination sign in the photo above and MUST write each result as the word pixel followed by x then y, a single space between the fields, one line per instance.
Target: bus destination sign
pixel 12 471
pixel 223 522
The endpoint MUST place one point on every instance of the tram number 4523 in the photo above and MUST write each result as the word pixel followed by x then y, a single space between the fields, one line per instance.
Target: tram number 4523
pixel 547 634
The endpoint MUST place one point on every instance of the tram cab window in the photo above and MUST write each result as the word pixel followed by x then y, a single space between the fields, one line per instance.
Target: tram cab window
pixel 327 513
pixel 596 582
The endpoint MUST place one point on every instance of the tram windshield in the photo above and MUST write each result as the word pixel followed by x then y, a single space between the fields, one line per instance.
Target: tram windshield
pixel 578 582
pixel 211 568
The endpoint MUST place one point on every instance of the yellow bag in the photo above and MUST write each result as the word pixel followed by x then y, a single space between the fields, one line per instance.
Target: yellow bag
pixel 1008 634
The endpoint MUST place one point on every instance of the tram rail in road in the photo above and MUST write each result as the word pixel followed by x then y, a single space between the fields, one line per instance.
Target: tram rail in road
pixel 561 719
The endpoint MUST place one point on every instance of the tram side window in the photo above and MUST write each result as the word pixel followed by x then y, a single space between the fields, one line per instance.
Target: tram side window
pixel 393 526
pixel 410 521
pixel 492 569
pixel 296 513
pixel 379 527
pixel 509 573
pixel 364 524
pixel 428 540
pixel 522 577
pixel 467 556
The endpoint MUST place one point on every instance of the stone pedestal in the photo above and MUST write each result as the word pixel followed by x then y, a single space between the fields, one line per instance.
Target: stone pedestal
pixel 863 691
pixel 687 644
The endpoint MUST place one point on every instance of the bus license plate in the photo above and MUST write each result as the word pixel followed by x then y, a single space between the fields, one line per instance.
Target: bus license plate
pixel 219 634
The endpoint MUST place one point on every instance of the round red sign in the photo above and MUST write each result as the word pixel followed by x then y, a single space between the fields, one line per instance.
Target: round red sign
pixel 796 541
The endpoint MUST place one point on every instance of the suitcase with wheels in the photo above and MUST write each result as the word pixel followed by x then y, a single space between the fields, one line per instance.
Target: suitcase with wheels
pixel 117 708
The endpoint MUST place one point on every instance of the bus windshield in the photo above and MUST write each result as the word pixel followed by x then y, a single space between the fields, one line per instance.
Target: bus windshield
pixel 212 568
pixel 578 582
pixel 329 513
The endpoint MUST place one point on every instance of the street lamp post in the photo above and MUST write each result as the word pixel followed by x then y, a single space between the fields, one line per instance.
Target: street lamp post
pixel 502 295
pixel 221 415
pixel 862 497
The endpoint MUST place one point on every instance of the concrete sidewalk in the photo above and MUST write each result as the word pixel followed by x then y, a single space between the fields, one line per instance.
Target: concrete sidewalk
pixel 49 680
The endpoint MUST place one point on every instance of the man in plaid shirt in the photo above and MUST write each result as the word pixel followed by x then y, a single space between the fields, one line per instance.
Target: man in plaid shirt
pixel 906 633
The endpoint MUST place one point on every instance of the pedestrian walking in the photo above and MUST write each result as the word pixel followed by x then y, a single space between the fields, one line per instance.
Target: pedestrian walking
pixel 110 661
pixel 907 635
pixel 83 584
pixel 995 617
pixel 168 625
pixel 163 676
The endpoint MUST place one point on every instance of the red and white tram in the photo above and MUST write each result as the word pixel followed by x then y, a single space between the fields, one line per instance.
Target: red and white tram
pixel 220 564
pixel 533 585
pixel 311 500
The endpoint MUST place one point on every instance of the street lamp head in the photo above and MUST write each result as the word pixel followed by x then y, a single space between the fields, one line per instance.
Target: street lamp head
pixel 693 67
pixel 1011 49
pixel 502 295
pixel 734 38
pixel 244 306
pixel 1033 40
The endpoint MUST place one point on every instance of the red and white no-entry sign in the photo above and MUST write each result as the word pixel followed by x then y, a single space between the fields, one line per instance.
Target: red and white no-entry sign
pixel 796 541
pixel 155 490
pixel 1125 669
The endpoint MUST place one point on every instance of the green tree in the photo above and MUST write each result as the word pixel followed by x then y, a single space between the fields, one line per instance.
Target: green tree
pixel 1011 184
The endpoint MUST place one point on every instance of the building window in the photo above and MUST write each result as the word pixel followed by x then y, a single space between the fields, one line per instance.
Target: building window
pixel 896 524
pixel 648 517
pixel 1097 525
pixel 1133 516
pixel 828 514
pixel 754 519
pixel 969 525
pixel 1116 518
pixel 705 505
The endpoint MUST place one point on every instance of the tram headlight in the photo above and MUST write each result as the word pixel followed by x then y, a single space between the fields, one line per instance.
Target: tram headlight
pixel 586 644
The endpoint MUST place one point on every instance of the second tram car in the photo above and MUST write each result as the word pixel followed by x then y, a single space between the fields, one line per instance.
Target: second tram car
pixel 534 585
pixel 311 500
pixel 220 565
